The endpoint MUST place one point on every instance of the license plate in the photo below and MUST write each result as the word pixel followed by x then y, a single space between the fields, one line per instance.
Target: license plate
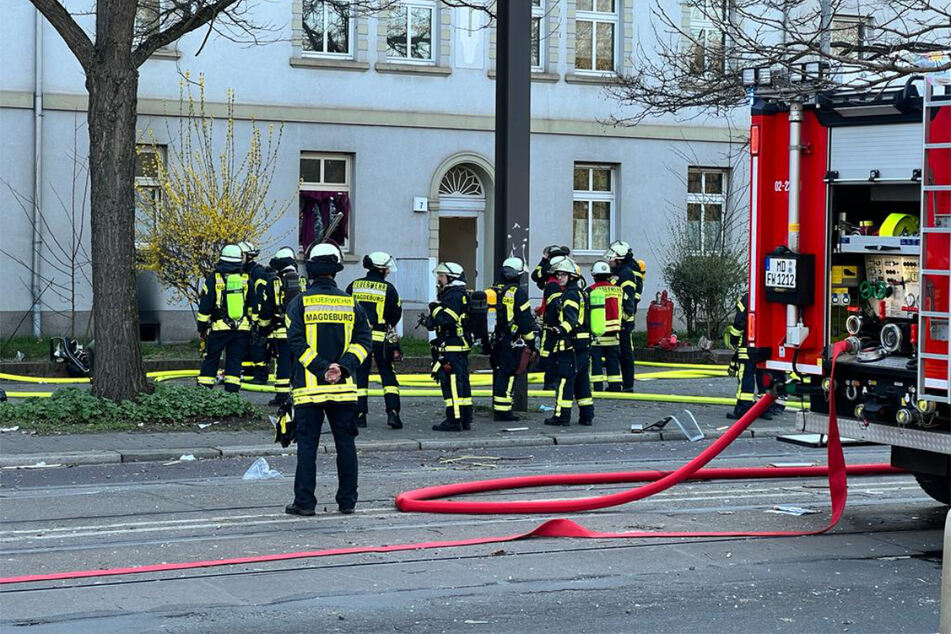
pixel 781 273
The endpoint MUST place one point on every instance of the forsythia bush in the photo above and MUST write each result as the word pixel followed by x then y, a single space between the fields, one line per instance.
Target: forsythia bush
pixel 207 196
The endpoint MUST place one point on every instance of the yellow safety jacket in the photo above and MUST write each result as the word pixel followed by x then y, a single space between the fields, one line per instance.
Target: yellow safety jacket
pixel 212 311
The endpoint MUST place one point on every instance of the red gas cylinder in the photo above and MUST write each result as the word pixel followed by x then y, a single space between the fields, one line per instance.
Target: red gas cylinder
pixel 660 319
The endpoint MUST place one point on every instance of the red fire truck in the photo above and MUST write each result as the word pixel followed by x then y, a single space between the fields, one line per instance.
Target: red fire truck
pixel 850 240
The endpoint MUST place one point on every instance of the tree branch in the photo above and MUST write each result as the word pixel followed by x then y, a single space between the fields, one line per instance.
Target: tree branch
pixel 76 39
pixel 188 22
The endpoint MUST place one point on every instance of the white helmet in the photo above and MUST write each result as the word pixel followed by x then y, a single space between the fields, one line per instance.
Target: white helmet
pixel 325 249
pixel 516 264
pixel 285 253
pixel 600 268
pixel 379 260
pixel 248 249
pixel 618 249
pixel 231 253
pixel 564 264
pixel 451 270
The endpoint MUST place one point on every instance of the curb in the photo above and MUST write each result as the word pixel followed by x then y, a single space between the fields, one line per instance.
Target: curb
pixel 70 458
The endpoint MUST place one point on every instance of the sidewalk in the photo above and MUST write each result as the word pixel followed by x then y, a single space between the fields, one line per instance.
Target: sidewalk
pixel 612 425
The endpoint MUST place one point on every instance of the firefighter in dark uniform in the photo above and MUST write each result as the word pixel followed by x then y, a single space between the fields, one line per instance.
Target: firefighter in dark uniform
pixel 565 322
pixel 448 317
pixel 255 366
pixel 329 337
pixel 282 284
pixel 630 279
pixel 383 307
pixel 605 350
pixel 514 330
pixel 223 321
pixel 749 377
pixel 545 281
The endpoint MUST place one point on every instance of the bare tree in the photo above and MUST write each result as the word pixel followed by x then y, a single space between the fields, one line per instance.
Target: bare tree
pixel 700 50
pixel 124 36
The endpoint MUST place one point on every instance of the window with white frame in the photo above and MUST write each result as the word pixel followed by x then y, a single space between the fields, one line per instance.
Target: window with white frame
pixel 326 28
pixel 706 46
pixel 325 190
pixel 593 206
pixel 596 28
pixel 538 25
pixel 148 191
pixel 409 31
pixel 706 204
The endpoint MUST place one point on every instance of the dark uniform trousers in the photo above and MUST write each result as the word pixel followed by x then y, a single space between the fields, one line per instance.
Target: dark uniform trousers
pixel 234 344
pixel 256 363
pixel 456 390
pixel 571 368
pixel 749 383
pixel 606 367
pixel 309 420
pixel 282 379
pixel 391 387
pixel 627 355
pixel 505 360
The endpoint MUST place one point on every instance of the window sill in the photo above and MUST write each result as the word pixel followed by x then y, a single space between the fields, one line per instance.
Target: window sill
pixel 578 78
pixel 329 62
pixel 413 69
pixel 536 76
pixel 166 53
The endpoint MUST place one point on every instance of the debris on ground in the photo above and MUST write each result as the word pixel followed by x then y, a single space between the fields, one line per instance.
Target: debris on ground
pixel 261 470
pixel 784 509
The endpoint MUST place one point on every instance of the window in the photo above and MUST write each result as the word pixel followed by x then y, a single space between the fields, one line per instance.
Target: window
pixel 538 22
pixel 593 206
pixel 596 25
pixel 706 52
pixel 706 201
pixel 148 192
pixel 326 28
pixel 325 199
pixel 848 34
pixel 147 15
pixel 409 31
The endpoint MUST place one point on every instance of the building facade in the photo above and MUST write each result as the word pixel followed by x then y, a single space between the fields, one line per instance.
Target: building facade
pixel 388 119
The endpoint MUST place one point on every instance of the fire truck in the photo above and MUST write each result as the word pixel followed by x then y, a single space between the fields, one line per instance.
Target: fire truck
pixel 850 241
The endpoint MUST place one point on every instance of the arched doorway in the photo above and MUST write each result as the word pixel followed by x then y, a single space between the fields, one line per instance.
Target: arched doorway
pixel 462 220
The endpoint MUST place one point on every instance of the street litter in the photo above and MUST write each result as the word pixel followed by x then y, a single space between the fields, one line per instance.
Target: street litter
pixel 780 465
pixel 5 429
pixel 691 430
pixel 260 470
pixel 515 429
pixel 187 458
pixel 471 622
pixel 546 408
pixel 206 425
pixel 893 558
pixel 792 510
pixel 38 465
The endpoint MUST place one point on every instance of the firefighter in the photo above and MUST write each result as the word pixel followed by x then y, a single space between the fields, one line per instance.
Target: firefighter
pixel 255 366
pixel 449 317
pixel 605 350
pixel 565 322
pixel 329 338
pixel 223 321
pixel 282 284
pixel 514 330
pixel 630 280
pixel 749 377
pixel 384 309
pixel 545 280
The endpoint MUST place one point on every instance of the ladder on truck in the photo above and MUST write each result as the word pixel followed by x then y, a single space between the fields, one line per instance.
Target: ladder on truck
pixel 934 316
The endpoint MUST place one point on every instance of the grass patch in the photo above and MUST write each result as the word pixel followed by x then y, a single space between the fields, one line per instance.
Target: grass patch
pixel 73 410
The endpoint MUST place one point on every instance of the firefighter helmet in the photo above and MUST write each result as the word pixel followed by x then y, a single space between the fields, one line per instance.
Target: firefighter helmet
pixel 451 270
pixel 285 253
pixel 600 268
pixel 618 249
pixel 324 259
pixel 564 264
pixel 249 250
pixel 642 265
pixel 379 260
pixel 231 253
pixel 516 264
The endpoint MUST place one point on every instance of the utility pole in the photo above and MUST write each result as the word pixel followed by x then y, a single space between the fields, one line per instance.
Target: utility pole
pixel 513 99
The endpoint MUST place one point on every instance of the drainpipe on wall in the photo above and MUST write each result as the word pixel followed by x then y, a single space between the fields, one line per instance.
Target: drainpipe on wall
pixel 37 242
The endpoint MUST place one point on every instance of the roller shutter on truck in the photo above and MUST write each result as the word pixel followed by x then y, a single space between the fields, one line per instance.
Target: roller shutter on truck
pixel 893 150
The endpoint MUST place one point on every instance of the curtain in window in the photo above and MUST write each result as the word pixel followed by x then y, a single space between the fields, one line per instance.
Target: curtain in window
pixel 315 214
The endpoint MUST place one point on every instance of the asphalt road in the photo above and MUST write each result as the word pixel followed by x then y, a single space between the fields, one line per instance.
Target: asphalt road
pixel 878 571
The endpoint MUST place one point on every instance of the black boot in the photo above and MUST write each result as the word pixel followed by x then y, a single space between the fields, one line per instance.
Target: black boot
pixel 587 422
pixel 361 419
pixel 393 419
pixel 279 399
pixel 558 421
pixel 466 417
pixel 506 417
pixel 451 424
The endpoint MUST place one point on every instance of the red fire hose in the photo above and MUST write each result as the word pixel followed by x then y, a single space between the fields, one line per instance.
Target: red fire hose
pixel 426 500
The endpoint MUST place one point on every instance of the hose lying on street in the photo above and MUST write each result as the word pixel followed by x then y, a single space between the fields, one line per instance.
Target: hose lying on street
pixel 427 500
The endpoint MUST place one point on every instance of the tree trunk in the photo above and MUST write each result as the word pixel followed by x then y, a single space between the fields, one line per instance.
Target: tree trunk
pixel 119 373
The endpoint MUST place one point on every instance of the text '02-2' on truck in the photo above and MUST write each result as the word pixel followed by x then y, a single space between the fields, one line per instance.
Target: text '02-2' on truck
pixel 850 241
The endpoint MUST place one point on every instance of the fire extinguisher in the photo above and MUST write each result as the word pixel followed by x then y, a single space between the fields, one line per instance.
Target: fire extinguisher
pixel 660 319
